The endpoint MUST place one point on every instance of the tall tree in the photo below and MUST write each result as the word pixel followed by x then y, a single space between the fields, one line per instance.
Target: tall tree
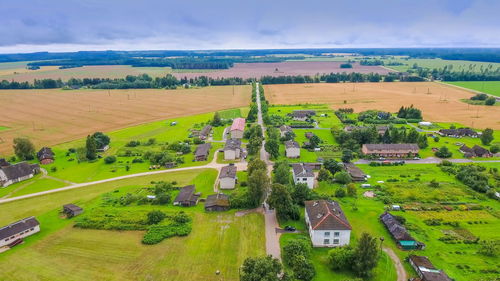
pixel 487 136
pixel 347 155
pixel 273 148
pixel 216 121
pixel 24 148
pixel 365 255
pixel 254 165
pixel 332 166
pixel 262 269
pixel 91 148
pixel 282 173
pixel 281 200
pixel 258 184
pixel 301 193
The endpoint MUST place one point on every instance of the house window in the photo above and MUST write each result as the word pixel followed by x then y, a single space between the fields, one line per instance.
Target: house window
pixel 336 234
pixel 32 229
pixel 335 241
pixel 327 234
pixel 298 179
pixel 304 179
pixel 326 241
pixel 7 239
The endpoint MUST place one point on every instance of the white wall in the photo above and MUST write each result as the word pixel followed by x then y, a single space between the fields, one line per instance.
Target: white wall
pixel 229 155
pixel 309 181
pixel 17 236
pixel 227 183
pixel 318 236
pixel 292 152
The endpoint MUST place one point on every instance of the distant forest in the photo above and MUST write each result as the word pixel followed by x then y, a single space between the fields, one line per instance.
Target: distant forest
pixel 218 59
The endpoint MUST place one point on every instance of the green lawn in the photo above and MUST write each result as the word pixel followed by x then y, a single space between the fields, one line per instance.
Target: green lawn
pixel 218 241
pixel 2 128
pixel 489 87
pixel 327 121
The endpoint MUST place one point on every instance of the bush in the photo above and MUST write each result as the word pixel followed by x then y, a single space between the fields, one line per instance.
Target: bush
pixel 443 152
pixel 340 192
pixel 110 159
pixel 155 217
pixel 495 148
pixel 157 233
pixel 490 101
pixel 133 143
pixel 343 177
pixel 340 258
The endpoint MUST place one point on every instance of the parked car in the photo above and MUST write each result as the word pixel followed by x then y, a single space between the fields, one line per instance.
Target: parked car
pixel 289 228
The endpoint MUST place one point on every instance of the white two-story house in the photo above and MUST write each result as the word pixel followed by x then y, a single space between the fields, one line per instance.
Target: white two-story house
pixel 327 224
pixel 303 174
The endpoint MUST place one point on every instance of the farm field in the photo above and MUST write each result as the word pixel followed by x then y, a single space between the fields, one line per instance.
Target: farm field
pixel 439 103
pixel 218 241
pixel 488 87
pixel 67 168
pixel 363 213
pixel 257 70
pixel 16 73
pixel 70 115
pixel 454 65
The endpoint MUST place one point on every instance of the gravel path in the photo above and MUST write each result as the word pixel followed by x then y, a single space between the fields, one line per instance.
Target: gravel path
pixel 400 270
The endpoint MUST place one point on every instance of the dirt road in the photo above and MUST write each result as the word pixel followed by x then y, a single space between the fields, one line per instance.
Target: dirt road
pixel 400 270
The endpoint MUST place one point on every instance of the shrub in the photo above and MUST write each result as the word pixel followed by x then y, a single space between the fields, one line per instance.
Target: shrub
pixel 110 159
pixel 495 148
pixel 155 217
pixel 343 177
pixel 490 101
pixel 156 233
pixel 340 192
pixel 133 143
pixel 340 258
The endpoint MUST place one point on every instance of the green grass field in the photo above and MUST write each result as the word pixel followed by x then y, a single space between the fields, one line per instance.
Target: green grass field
pixel 2 128
pixel 219 241
pixel 489 87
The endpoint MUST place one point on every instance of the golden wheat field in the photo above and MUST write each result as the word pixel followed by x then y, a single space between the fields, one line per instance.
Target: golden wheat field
pixel 438 102
pixel 54 116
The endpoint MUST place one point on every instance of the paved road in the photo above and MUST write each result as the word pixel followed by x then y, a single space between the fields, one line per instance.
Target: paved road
pixel 272 237
pixel 429 160
pixel 400 270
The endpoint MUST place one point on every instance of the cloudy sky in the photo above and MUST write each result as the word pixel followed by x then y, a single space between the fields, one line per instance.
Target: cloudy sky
pixel 71 25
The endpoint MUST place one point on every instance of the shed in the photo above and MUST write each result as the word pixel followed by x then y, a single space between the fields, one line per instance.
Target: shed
pixel 45 156
pixel 187 197
pixel 217 203
pixel 72 210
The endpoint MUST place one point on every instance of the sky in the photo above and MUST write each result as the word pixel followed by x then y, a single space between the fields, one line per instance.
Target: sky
pixel 73 25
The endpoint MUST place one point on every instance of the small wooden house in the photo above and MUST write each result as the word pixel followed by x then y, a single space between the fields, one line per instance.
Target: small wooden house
pixel 45 156
pixel 217 203
pixel 72 210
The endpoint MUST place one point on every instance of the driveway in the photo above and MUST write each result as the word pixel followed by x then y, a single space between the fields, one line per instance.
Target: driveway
pixel 400 270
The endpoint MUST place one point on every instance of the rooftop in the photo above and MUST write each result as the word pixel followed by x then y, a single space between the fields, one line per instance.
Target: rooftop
pixel 301 170
pixel 292 144
pixel 232 144
pixel 326 215
pixel 238 124
pixel 228 172
pixel 219 199
pixel 18 226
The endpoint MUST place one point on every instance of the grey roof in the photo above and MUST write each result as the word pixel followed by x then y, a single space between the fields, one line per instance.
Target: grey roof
pixel 458 132
pixel 45 153
pixel 285 128
pixel 232 144
pixel 397 231
pixel 72 207
pixel 205 131
pixel 228 172
pixel 19 170
pixel 4 163
pixel 303 113
pixel 400 147
pixel 17 227
pixel 301 170
pixel 326 215
pixel 202 149
pixel 480 151
pixel 354 171
pixel 380 129
pixel 219 199
pixel 187 194
pixel 292 144
pixel 421 261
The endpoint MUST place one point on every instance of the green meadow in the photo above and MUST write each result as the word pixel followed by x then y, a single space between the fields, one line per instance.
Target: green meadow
pixel 489 87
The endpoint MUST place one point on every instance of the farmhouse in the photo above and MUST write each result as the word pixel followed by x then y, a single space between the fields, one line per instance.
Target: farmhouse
pixel 205 132
pixel 302 115
pixel 355 172
pixel 202 151
pixel 227 177
pixel 284 129
pixel 292 149
pixel 17 172
pixel 327 224
pixel 458 133
pixel 390 150
pixel 380 129
pixel 13 234
pixel 237 128
pixel 232 149
pixel 404 240
pixel 45 156
pixel 187 197
pixel 426 270
pixel 303 174
pixel 72 210
pixel 217 203
pixel 475 151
